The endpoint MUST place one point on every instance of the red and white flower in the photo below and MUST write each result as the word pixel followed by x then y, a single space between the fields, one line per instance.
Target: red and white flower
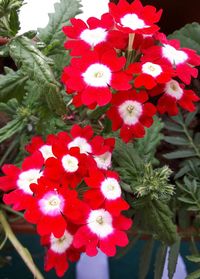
pixel 183 60
pixel 84 37
pixel 38 144
pixel 51 206
pixel 94 73
pixel 102 230
pixel 105 191
pixel 60 251
pixel 149 74
pixel 130 112
pixel 18 181
pixel 134 18
pixel 174 94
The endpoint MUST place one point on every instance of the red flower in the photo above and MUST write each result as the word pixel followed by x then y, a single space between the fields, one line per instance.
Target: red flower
pixel 87 36
pixel 94 73
pixel 105 191
pixel 130 113
pixel 60 252
pixel 148 74
pixel 183 60
pixel 19 180
pixel 134 18
pixel 51 206
pixel 174 94
pixel 69 165
pixel 101 229
pixel 38 144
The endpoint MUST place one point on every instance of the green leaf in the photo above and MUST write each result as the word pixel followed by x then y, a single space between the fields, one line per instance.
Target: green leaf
pixel 180 154
pixel 11 128
pixel 189 36
pixel 176 140
pixel 173 258
pixel 12 85
pixel 64 10
pixel 35 65
pixel 145 258
pixel 160 261
pixel 194 258
pixel 147 146
pixel 194 275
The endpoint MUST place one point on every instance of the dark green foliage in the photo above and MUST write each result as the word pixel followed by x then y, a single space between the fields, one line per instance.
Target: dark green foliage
pixel 189 36
pixel 173 257
pixel 160 261
pixel 145 258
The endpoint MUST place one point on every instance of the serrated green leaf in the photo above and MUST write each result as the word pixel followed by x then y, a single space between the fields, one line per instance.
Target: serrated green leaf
pixel 36 66
pixel 160 261
pixel 173 258
pixel 189 36
pixel 190 116
pixel 12 85
pixel 176 140
pixel 186 200
pixel 145 258
pixel 64 10
pixel 180 154
pixel 173 126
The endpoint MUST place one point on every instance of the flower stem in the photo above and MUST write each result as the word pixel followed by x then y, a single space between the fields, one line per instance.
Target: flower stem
pixel 130 42
pixel 19 248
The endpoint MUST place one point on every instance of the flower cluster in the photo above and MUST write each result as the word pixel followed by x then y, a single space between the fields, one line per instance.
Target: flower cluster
pixel 66 188
pixel 123 61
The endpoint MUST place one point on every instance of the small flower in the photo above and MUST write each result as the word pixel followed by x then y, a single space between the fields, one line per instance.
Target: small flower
pixel 130 112
pixel 149 74
pixel 19 180
pixel 174 94
pixel 134 18
pixel 105 191
pixel 94 73
pixel 102 230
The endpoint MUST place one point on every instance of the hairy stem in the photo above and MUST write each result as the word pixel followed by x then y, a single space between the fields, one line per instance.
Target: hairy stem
pixel 19 248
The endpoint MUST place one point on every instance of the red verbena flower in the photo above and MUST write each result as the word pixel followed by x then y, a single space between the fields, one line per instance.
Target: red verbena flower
pixel 105 191
pixel 130 112
pixel 102 230
pixel 134 18
pixel 174 94
pixel 87 36
pixel 50 207
pixel 94 73
pixel 183 60
pixel 150 74
pixel 60 251
pixel 18 181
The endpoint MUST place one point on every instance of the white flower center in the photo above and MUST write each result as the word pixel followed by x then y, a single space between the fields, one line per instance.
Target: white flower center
pixel 97 75
pixel 46 151
pixel 60 245
pixel 95 36
pixel 51 203
pixel 103 161
pixel 82 143
pixel 130 111
pixel 133 22
pixel 111 189
pixel 173 89
pixel 173 55
pixel 151 69
pixel 70 163
pixel 100 222
pixel 26 178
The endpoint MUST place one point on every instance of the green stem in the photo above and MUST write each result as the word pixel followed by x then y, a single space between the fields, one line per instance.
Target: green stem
pixel 19 248
pixel 7 208
pixel 191 140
